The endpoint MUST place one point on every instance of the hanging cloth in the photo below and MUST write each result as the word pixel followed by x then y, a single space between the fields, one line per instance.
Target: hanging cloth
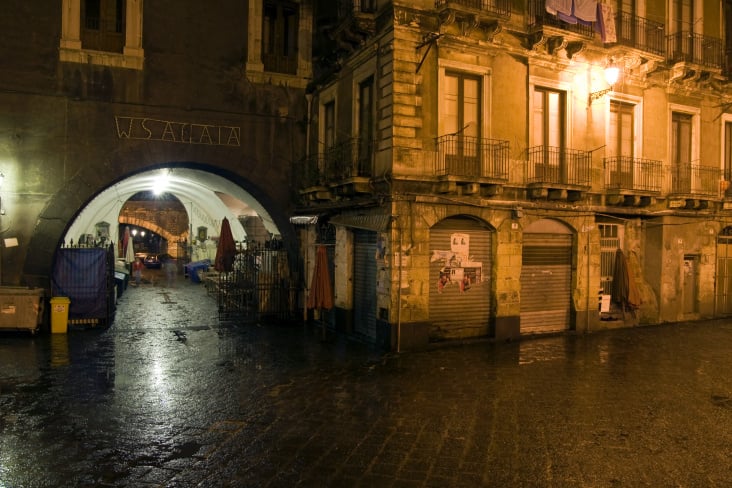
pixel 606 23
pixel 585 10
pixel 556 7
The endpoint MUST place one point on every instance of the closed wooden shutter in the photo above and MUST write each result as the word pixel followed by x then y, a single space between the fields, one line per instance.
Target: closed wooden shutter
pixel 724 275
pixel 460 255
pixel 364 284
pixel 546 279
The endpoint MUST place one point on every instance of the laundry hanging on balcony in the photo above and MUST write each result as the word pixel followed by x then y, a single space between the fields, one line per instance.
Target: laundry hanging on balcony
pixel 606 22
pixel 573 11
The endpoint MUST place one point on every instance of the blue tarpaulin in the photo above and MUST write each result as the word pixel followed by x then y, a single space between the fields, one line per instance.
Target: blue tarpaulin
pixel 81 275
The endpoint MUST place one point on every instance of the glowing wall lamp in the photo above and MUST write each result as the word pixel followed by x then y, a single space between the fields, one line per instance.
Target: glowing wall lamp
pixel 611 76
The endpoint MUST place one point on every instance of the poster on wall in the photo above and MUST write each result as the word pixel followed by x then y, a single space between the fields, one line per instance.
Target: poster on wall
pixel 458 271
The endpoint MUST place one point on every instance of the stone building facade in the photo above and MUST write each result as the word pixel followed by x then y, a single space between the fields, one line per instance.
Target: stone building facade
pixel 474 167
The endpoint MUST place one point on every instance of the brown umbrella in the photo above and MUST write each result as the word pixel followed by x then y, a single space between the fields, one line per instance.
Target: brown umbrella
pixel 624 290
pixel 226 248
pixel 321 291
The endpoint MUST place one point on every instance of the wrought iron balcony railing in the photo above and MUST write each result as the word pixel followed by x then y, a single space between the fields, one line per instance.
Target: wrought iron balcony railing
pixel 634 174
pixel 500 8
pixel 695 48
pixel 349 159
pixel 539 17
pixel 311 172
pixel 695 179
pixel 556 165
pixel 639 33
pixel 471 157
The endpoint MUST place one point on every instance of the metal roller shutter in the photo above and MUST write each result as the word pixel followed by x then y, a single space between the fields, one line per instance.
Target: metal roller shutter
pixel 460 306
pixel 364 283
pixel 546 279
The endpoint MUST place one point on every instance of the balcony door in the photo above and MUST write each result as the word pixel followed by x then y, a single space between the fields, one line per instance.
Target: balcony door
pixel 366 126
pixel 683 24
pixel 620 147
pixel 727 175
pixel 548 131
pixel 681 133
pixel 461 123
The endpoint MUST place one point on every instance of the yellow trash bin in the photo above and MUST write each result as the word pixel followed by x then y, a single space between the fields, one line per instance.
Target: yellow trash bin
pixel 59 315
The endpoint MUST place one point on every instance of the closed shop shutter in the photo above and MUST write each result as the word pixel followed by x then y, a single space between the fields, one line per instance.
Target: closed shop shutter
pixel 546 279
pixel 364 283
pixel 460 279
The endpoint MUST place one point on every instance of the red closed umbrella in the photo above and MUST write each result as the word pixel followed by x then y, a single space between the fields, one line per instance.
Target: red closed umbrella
pixel 226 248
pixel 321 291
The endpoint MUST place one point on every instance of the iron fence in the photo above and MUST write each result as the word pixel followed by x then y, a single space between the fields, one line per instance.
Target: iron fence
pixel 501 8
pixel 471 157
pixel 695 179
pixel 260 287
pixel 640 33
pixel 695 48
pixel 539 17
pixel 557 165
pixel 637 174
pixel 351 158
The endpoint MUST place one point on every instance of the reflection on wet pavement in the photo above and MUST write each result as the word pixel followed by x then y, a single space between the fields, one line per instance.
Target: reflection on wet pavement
pixel 168 396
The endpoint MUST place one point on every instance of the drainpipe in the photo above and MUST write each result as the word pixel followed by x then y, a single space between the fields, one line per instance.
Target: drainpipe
pixel 589 285
pixel 399 285
pixel 309 98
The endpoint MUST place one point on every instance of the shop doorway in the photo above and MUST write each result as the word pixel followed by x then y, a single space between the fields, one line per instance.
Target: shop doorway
pixel 546 277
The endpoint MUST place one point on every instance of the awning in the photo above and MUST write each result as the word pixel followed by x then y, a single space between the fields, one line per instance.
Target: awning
pixel 304 219
pixel 376 223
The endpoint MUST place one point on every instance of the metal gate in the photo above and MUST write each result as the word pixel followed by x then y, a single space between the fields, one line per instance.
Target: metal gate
pixel 259 287
pixel 546 277
pixel 724 273
pixel 460 279
pixel 610 242
pixel 364 283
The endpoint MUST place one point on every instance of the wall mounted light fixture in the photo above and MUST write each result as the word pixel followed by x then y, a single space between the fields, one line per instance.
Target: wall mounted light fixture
pixel 612 72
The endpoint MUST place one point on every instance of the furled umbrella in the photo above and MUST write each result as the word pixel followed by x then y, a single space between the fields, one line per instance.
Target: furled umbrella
pixel 226 248
pixel 129 247
pixel 321 291
pixel 624 290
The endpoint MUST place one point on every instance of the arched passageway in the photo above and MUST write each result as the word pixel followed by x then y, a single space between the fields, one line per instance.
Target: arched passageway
pixel 200 201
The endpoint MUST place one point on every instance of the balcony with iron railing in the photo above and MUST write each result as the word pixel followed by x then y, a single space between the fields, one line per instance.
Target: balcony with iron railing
pixel 538 17
pixel 556 166
pixel 471 158
pixel 356 19
pixel 625 173
pixel 689 47
pixel 497 8
pixel 640 33
pixel 310 172
pixel 695 180
pixel 352 158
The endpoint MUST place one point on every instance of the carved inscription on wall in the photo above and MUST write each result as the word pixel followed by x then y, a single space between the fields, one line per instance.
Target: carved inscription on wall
pixel 149 129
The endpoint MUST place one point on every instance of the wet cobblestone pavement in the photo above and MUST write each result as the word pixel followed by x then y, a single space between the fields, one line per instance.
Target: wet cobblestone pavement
pixel 169 397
